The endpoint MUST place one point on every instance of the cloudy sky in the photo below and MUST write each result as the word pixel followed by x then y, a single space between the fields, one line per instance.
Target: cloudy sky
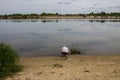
pixel 60 6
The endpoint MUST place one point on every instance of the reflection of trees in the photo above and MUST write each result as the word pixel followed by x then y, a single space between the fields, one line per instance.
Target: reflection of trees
pixel 49 20
pixel 32 20
pixel 103 20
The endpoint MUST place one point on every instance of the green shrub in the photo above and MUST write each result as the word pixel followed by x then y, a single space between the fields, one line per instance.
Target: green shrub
pixel 9 60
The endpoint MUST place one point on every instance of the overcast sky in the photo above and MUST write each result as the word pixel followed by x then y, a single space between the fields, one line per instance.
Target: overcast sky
pixel 60 6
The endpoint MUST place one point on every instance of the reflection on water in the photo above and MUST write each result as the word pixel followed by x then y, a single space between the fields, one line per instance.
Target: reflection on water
pixel 30 20
pixel 40 37
pixel 59 20
pixel 104 20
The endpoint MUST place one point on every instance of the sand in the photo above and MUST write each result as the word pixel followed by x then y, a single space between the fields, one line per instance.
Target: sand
pixel 76 67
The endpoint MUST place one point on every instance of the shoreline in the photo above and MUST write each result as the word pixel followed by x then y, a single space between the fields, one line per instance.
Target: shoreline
pixel 76 67
pixel 61 17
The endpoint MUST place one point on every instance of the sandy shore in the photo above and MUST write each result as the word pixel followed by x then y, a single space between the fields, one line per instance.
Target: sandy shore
pixel 76 67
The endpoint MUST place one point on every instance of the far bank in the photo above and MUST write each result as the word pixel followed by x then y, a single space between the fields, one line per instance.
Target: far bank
pixel 59 17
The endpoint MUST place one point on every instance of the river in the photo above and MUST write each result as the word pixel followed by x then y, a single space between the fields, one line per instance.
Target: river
pixel 45 37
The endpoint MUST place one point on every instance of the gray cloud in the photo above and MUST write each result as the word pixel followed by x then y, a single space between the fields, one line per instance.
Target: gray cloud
pixel 66 3
pixel 74 0
pixel 118 7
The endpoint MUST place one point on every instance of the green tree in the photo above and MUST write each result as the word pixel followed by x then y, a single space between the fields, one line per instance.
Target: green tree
pixel 43 14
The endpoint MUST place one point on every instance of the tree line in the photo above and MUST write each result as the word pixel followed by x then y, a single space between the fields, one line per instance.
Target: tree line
pixel 37 16
pixel 105 14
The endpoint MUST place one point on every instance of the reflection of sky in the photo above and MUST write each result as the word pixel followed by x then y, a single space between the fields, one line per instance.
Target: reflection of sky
pixel 47 37
pixel 51 26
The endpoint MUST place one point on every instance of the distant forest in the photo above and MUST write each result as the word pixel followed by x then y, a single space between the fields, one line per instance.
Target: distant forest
pixel 57 15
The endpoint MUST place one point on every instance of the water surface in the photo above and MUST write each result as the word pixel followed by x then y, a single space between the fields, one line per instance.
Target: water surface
pixel 45 37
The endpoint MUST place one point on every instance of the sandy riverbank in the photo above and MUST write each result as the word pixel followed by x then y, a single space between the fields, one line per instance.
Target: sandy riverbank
pixel 76 67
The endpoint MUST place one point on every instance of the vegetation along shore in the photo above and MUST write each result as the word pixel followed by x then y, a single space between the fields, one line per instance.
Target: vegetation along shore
pixel 92 15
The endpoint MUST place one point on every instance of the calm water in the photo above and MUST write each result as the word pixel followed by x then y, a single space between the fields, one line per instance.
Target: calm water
pixel 41 37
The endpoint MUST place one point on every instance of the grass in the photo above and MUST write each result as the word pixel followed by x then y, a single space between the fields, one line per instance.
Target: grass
pixel 75 50
pixel 9 61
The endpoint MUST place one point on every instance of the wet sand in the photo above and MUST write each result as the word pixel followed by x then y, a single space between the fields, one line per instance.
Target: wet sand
pixel 76 67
